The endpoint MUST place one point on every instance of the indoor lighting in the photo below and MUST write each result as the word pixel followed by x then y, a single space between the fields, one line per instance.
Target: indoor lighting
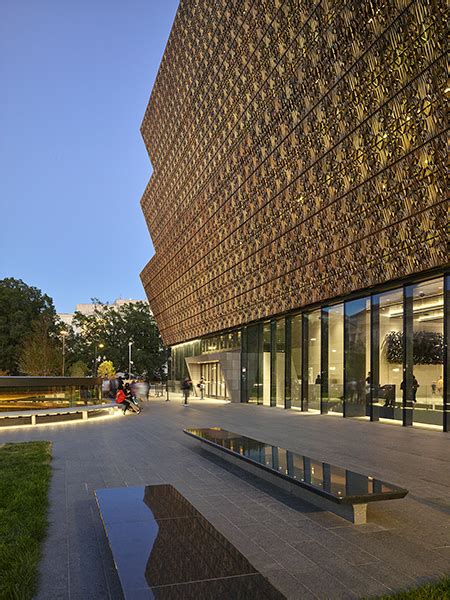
pixel 417 309
pixel 431 317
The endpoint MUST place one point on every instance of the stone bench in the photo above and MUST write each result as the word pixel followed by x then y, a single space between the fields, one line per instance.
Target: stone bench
pixel 329 487
pixel 164 548
pixel 32 416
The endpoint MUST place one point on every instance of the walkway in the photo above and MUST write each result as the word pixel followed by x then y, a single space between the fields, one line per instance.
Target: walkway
pixel 304 552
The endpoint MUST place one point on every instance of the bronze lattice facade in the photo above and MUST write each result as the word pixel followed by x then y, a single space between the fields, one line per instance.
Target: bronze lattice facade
pixel 299 155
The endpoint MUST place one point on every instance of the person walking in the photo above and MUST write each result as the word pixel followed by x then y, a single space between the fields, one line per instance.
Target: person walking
pixel 186 388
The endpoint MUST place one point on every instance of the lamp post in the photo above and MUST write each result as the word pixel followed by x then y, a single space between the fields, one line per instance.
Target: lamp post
pixel 169 357
pixel 130 362
pixel 63 369
pixel 95 359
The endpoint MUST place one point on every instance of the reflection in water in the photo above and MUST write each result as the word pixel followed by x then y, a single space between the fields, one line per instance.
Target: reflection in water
pixel 189 549
pixel 331 480
pixel 164 548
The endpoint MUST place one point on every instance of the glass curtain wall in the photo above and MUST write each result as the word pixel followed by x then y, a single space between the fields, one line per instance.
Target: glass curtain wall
pixel 224 341
pixel 333 359
pixel 179 368
pixel 254 375
pixel 256 364
pixel 296 361
pixel 214 380
pixel 280 364
pixel 377 357
pixel 266 364
pixel 428 352
pixel 446 387
pixel 314 375
pixel 357 358
pixel 387 360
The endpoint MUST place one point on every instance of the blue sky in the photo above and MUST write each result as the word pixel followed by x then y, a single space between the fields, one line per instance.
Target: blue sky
pixel 75 78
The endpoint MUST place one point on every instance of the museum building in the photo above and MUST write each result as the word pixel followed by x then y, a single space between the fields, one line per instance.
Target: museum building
pixel 297 205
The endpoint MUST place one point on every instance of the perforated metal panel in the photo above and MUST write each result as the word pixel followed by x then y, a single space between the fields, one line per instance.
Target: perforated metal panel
pixel 298 153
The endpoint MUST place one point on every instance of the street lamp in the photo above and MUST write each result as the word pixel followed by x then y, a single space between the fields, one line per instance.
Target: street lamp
pixel 169 358
pixel 63 335
pixel 95 359
pixel 130 362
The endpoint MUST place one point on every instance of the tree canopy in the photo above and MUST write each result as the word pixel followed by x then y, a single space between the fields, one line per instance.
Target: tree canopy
pixel 106 370
pixel 30 336
pixel 40 353
pixel 107 333
pixel 20 306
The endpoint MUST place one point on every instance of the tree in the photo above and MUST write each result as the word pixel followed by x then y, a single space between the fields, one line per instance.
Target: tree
pixel 40 353
pixel 78 369
pixel 114 328
pixel 106 370
pixel 20 305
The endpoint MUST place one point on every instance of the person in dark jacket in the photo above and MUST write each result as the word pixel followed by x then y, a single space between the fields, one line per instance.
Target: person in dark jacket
pixel 186 388
pixel 130 398
pixel 415 387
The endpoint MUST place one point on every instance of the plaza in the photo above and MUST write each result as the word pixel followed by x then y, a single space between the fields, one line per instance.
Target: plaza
pixel 303 551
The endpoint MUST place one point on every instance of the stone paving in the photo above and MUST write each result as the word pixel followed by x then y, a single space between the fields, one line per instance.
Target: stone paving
pixel 306 553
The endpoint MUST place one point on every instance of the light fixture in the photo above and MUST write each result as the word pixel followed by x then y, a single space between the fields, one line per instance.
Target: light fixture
pixel 433 317
pixel 418 309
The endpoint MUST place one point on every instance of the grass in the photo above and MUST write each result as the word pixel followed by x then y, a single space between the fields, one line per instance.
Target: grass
pixel 24 481
pixel 431 591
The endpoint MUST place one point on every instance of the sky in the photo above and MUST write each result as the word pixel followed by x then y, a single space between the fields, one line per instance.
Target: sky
pixel 75 79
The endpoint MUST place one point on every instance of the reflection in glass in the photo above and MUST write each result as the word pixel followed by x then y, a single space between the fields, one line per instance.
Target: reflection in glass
pixel 314 374
pixel 357 357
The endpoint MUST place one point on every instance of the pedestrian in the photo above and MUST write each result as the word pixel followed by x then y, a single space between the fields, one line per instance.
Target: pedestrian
pixel 186 388
pixel 202 386
pixel 415 387
pixel 122 400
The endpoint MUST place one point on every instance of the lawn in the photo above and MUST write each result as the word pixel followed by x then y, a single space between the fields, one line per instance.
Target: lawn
pixel 432 591
pixel 24 481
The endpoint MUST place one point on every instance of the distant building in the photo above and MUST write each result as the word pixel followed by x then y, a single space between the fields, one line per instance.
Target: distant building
pixel 66 318
pixel 89 309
